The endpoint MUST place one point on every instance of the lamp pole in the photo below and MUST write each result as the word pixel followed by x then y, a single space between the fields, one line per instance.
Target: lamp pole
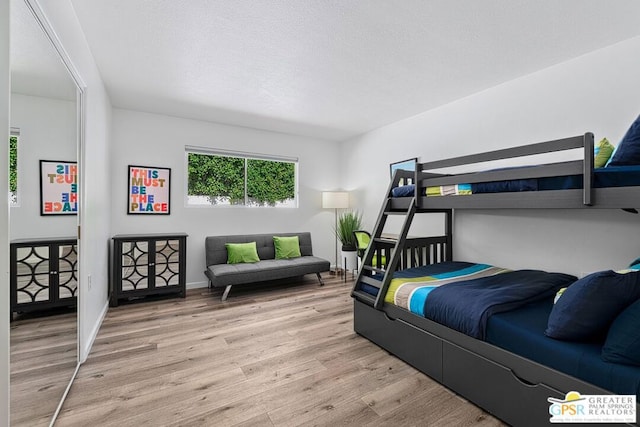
pixel 335 244
pixel 335 200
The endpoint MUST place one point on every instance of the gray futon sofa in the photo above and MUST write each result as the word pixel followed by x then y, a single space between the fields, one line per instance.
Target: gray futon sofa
pixel 221 274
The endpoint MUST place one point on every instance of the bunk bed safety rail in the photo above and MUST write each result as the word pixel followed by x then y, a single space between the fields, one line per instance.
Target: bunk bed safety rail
pixel 418 252
pixel 508 153
pixel 553 169
pixel 577 167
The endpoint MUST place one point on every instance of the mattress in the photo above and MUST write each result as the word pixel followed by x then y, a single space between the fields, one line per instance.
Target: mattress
pixel 521 332
pixel 612 176
pixel 462 296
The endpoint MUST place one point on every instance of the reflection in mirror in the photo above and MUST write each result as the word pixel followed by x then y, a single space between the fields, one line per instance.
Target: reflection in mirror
pixel 43 255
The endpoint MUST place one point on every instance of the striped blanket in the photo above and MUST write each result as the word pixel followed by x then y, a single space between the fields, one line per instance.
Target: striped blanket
pixel 463 296
pixel 411 293
pixel 449 190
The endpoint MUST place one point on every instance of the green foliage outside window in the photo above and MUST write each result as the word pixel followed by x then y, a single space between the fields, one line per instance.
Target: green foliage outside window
pixel 13 169
pixel 216 177
pixel 221 179
pixel 269 182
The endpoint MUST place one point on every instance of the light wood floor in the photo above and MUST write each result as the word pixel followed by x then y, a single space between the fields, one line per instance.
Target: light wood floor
pixel 282 356
pixel 43 359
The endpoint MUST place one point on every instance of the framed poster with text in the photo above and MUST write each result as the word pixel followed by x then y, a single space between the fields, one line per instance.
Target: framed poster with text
pixel 58 188
pixel 148 190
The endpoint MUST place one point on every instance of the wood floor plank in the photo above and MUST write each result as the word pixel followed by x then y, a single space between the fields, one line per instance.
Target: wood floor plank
pixel 351 413
pixel 43 357
pixel 389 398
pixel 261 420
pixel 278 355
pixel 228 415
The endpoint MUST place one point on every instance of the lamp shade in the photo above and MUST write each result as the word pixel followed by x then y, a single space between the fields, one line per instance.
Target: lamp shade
pixel 335 199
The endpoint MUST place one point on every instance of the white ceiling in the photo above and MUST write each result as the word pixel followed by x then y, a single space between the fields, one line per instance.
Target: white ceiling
pixel 332 68
pixel 36 67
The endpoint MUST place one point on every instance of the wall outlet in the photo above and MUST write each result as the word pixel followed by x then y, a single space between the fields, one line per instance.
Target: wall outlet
pixel 89 281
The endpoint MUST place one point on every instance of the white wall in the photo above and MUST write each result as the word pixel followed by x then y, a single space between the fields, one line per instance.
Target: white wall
pixel 597 92
pixel 94 173
pixel 154 140
pixel 47 132
pixel 4 214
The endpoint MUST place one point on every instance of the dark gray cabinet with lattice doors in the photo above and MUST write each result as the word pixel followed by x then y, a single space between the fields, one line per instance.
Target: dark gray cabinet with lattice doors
pixel 148 264
pixel 43 274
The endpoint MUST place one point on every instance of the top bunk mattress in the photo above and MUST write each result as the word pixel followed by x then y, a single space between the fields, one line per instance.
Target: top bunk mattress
pixel 611 176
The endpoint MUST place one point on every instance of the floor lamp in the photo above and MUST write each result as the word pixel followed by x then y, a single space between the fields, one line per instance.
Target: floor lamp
pixel 335 200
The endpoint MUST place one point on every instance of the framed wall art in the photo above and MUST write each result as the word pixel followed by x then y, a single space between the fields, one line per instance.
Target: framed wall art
pixel 58 187
pixel 149 190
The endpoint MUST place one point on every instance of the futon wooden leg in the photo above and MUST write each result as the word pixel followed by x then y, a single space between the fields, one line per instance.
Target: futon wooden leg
pixel 226 292
pixel 320 279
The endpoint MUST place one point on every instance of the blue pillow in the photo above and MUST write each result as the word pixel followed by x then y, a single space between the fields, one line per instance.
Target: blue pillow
pixel 623 339
pixel 589 305
pixel 628 151
pixel 403 191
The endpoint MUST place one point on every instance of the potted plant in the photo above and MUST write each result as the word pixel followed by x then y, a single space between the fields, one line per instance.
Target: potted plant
pixel 348 222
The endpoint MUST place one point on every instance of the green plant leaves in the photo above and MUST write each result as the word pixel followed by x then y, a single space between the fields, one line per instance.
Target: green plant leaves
pixel 348 222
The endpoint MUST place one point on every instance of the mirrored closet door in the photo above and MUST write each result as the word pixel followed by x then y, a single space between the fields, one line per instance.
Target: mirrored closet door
pixel 43 221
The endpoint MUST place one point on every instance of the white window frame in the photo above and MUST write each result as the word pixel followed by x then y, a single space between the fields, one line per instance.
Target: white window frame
pixel 244 155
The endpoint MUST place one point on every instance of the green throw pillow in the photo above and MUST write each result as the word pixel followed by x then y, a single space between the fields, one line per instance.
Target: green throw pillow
pixel 287 247
pixel 602 153
pixel 241 252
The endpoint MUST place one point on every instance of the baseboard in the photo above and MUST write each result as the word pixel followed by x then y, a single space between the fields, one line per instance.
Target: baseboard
pixel 197 285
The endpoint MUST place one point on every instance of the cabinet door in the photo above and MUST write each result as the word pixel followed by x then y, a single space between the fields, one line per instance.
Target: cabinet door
pixel 32 275
pixel 134 265
pixel 167 262
pixel 67 263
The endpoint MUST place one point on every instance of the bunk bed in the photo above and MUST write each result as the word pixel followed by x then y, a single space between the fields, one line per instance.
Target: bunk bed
pixel 504 363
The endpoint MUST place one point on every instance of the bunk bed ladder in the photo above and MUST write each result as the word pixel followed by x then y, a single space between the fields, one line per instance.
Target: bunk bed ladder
pixel 380 246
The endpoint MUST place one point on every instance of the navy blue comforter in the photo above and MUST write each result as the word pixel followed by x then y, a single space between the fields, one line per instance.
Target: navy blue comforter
pixel 466 305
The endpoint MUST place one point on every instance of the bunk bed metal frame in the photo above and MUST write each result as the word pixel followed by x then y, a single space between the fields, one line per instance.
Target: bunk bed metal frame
pixel 509 386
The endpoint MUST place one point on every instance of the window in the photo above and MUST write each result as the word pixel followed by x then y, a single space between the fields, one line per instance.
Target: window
pixel 13 167
pixel 223 178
